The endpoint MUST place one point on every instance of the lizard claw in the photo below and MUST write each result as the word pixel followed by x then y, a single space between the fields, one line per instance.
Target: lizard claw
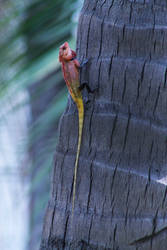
pixel 84 63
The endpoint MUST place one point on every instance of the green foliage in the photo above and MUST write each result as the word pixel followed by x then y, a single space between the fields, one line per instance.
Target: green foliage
pixel 31 33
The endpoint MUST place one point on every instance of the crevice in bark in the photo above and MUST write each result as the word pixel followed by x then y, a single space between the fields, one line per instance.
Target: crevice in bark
pixel 156 101
pixel 65 231
pixel 113 129
pixel 126 132
pixel 90 185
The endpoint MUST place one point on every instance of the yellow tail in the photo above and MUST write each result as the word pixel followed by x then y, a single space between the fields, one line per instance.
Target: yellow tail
pixel 80 106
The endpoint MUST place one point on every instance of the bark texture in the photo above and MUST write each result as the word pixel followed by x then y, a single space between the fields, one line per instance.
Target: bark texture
pixel 122 177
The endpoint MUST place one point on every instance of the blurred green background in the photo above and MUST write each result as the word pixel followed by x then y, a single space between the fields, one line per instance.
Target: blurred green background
pixel 33 95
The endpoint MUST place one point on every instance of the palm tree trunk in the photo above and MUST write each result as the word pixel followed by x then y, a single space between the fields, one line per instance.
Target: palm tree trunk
pixel 121 182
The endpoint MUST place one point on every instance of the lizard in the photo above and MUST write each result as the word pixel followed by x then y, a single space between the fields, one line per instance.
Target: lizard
pixel 70 68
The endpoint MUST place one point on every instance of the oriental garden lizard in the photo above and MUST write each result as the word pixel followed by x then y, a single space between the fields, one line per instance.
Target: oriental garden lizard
pixel 70 69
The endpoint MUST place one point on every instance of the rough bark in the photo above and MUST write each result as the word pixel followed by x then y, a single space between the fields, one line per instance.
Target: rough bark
pixel 121 184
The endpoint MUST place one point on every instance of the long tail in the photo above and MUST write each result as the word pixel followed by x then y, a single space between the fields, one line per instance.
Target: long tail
pixel 80 107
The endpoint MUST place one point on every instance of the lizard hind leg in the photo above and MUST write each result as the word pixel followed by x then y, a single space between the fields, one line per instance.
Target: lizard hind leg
pixel 85 85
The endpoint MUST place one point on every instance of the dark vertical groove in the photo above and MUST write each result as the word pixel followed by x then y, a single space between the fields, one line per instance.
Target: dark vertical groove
pixel 90 186
pixel 109 9
pixel 99 72
pixel 110 66
pixel 101 37
pixel 126 132
pixel 90 227
pixel 103 3
pixel 164 197
pixel 112 132
pixel 87 46
pixel 65 231
pixel 165 78
pixel 156 101
pixel 124 87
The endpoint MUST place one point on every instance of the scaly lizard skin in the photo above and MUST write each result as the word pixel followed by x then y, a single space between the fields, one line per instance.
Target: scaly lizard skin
pixel 70 68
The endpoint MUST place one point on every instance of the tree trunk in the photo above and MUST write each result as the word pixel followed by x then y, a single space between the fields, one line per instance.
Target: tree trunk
pixel 121 182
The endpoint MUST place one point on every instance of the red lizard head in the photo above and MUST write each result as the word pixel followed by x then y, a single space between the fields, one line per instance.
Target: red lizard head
pixel 65 53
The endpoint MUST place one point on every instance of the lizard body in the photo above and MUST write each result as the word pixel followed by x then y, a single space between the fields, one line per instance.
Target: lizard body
pixel 70 68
